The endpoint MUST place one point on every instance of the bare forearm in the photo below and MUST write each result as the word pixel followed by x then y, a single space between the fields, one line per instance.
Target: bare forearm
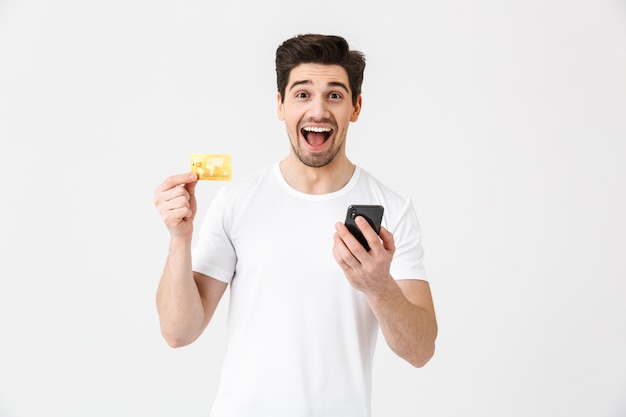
pixel 409 330
pixel 179 304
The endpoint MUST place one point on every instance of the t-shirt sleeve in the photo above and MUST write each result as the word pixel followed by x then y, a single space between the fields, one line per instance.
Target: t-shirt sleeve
pixel 213 253
pixel 408 261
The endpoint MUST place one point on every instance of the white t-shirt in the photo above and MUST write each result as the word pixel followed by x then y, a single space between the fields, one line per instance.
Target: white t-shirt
pixel 301 339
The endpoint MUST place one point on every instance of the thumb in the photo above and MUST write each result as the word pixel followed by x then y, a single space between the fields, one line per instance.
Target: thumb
pixel 191 189
pixel 190 184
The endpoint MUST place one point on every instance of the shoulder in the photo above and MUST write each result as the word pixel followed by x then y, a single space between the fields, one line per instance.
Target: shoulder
pixel 381 191
pixel 399 212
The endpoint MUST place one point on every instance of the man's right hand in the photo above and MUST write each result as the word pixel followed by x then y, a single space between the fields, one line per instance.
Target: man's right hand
pixel 176 202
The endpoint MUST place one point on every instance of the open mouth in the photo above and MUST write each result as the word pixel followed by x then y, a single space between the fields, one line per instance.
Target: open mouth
pixel 316 136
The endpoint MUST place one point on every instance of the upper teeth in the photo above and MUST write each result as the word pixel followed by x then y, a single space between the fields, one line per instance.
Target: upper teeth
pixel 317 129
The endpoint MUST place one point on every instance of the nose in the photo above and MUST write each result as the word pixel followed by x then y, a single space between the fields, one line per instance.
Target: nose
pixel 318 108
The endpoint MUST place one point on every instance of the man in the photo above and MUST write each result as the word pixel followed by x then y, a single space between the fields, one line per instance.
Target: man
pixel 306 298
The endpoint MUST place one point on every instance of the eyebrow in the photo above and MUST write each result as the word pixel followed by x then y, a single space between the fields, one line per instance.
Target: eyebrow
pixel 330 84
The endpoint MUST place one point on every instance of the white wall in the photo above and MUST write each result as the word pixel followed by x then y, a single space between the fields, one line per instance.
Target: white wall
pixel 504 120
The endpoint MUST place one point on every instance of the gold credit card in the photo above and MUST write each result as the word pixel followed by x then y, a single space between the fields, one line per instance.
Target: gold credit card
pixel 212 167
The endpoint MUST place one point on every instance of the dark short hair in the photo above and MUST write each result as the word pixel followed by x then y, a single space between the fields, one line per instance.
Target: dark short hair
pixel 319 49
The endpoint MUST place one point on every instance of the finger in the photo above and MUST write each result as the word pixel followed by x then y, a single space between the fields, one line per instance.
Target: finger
pixel 171 196
pixel 175 199
pixel 191 186
pixel 189 178
pixel 176 203
pixel 338 249
pixel 368 232
pixel 175 185
pixel 388 240
pixel 348 239
pixel 344 257
pixel 176 215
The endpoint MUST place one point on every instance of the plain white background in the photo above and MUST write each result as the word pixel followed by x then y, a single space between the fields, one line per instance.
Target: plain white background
pixel 504 120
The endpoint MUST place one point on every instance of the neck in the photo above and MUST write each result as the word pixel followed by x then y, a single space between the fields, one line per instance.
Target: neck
pixel 323 180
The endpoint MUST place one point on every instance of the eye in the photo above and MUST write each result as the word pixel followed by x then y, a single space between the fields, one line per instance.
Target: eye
pixel 335 96
pixel 301 95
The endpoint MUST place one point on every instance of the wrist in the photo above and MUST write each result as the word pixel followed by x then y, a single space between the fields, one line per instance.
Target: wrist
pixel 388 290
pixel 180 242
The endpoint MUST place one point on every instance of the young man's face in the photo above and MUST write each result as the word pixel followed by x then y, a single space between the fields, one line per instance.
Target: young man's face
pixel 317 109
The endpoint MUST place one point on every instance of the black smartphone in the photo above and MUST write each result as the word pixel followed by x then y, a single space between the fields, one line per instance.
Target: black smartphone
pixel 372 213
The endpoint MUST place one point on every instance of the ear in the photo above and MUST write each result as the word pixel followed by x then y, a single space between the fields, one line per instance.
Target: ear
pixel 356 110
pixel 280 111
